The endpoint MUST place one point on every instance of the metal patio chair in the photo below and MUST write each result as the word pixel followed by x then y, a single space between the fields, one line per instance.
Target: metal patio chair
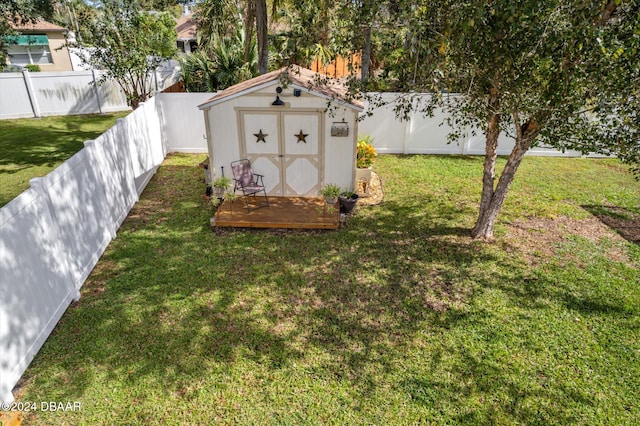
pixel 248 182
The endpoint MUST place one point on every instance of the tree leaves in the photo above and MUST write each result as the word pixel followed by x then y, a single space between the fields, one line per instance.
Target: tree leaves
pixel 132 45
pixel 570 66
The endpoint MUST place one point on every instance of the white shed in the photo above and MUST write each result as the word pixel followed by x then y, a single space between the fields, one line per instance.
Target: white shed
pixel 299 133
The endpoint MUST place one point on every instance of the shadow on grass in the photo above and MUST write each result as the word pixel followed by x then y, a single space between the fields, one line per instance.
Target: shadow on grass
pixel 179 294
pixel 173 304
pixel 624 221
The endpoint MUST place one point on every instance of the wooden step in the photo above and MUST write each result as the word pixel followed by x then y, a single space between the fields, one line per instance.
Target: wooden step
pixel 283 212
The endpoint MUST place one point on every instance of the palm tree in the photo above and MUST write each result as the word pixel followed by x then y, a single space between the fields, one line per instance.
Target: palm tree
pixel 229 59
pixel 261 33
pixel 198 73
pixel 222 17
pixel 216 17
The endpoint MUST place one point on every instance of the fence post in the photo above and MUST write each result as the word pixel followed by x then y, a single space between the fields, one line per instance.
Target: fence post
pixel 95 90
pixel 38 184
pixel 408 133
pixel 31 93
pixel 466 144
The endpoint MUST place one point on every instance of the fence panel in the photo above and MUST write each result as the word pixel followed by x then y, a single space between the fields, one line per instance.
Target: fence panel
pixel 183 122
pixel 143 126
pixel 65 93
pixel 78 211
pixel 14 97
pixel 389 132
pixel 35 284
pixel 52 235
pixel 428 135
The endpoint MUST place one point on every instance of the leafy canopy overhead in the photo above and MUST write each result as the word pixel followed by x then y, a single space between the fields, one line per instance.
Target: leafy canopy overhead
pixel 569 70
pixel 563 73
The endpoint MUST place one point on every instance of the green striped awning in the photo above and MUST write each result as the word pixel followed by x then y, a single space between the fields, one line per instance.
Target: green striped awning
pixel 26 40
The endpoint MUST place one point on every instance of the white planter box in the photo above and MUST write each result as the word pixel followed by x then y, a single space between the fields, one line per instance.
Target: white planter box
pixel 363 175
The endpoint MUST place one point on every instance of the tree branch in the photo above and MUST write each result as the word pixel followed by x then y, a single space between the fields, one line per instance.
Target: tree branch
pixel 608 11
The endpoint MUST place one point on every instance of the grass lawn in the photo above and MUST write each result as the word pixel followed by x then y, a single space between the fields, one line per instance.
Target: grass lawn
pixel 32 147
pixel 398 318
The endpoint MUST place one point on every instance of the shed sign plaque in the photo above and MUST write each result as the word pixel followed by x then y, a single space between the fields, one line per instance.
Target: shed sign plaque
pixel 340 129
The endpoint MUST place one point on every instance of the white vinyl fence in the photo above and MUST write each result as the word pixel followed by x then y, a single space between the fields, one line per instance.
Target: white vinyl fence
pixel 38 94
pixel 184 128
pixel 418 135
pixel 428 135
pixel 52 235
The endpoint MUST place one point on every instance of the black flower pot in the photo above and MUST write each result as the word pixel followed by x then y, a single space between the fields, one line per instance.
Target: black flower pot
pixel 347 204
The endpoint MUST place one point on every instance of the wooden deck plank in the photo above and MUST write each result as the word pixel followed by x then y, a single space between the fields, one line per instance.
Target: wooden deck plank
pixel 283 212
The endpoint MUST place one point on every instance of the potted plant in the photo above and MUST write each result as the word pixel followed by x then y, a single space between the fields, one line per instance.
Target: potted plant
pixel 207 175
pixel 348 200
pixel 229 196
pixel 366 155
pixel 330 193
pixel 220 186
pixel 215 207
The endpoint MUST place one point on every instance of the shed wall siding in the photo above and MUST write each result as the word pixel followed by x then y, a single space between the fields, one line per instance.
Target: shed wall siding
pixel 225 125
pixel 224 137
pixel 340 152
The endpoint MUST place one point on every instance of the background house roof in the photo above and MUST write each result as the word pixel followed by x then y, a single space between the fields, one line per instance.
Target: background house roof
pixel 39 25
pixel 186 27
pixel 298 77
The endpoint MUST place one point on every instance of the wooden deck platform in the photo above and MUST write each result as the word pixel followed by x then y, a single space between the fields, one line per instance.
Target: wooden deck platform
pixel 283 212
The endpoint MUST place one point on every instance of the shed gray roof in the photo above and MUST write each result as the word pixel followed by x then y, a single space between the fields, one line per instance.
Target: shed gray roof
pixel 298 77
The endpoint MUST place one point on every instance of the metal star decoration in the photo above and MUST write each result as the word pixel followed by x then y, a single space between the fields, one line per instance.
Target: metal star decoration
pixel 260 136
pixel 302 137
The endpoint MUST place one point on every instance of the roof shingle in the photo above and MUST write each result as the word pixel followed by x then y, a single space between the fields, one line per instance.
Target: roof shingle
pixel 38 25
pixel 186 27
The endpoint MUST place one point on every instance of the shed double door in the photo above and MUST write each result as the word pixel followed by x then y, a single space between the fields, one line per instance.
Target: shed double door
pixel 285 147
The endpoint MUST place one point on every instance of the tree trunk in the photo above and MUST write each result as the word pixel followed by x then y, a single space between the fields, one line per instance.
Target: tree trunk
pixel 366 55
pixel 492 200
pixel 490 156
pixel 368 16
pixel 261 32
pixel 249 21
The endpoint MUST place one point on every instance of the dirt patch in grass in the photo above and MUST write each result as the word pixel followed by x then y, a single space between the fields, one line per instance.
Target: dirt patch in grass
pixel 442 294
pixel 538 238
